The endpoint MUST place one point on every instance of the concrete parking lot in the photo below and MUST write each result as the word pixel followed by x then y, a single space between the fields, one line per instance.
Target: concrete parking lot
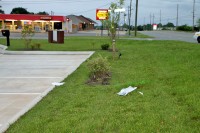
pixel 26 77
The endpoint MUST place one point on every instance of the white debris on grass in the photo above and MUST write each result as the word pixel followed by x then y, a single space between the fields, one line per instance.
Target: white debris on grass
pixel 141 92
pixel 2 49
pixel 57 83
pixel 125 91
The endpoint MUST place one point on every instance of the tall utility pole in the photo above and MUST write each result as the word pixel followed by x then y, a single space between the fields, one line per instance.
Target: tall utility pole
pixel 193 15
pixel 150 22
pixel 177 16
pixel 52 13
pixel 136 14
pixel 124 18
pixel 150 18
pixel 153 18
pixel 160 17
pixel 129 31
pixel 129 21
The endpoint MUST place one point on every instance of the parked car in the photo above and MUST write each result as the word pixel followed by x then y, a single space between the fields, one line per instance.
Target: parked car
pixel 197 36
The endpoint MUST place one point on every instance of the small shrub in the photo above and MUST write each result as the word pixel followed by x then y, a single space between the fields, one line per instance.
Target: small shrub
pixel 99 70
pixel 93 44
pixel 35 46
pixel 27 34
pixel 32 47
pixel 105 46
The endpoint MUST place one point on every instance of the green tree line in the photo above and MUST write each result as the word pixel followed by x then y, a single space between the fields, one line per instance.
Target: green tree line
pixel 21 10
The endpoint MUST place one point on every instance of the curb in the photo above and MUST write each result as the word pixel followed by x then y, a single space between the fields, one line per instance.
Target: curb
pixel 48 52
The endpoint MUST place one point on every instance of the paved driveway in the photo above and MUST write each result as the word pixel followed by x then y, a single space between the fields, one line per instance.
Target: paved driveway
pixel 26 77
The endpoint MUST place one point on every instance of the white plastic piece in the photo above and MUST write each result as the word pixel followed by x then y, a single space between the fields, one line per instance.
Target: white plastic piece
pixel 141 93
pixel 57 83
pixel 2 49
pixel 125 91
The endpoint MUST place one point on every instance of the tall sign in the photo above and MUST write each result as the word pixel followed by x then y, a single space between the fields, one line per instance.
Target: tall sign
pixel 101 14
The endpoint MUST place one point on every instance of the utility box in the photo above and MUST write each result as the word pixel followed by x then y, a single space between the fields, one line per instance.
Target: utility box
pixel 56 36
pixel 6 33
pixel 50 36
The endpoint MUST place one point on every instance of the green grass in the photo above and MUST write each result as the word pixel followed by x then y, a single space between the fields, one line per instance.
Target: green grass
pixel 167 72
pixel 70 43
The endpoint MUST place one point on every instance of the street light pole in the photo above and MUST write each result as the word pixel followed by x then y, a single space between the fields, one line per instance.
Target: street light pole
pixel 193 15
pixel 129 23
pixel 177 16
pixel 136 14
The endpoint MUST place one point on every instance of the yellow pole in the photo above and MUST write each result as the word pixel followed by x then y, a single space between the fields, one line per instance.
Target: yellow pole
pixel 3 24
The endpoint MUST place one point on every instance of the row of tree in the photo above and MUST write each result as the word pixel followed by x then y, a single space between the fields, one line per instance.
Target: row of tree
pixel 21 10
pixel 179 28
pixel 1 11
pixel 168 26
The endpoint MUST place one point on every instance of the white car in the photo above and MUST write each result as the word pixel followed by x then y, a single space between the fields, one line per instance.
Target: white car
pixel 197 36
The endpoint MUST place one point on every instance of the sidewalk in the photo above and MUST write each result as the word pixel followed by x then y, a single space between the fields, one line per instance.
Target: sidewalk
pixel 26 77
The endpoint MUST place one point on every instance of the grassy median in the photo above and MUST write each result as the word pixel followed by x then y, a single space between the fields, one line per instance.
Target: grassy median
pixel 166 72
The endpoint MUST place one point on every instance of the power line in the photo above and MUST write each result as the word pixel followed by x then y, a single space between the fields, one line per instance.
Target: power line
pixel 90 9
pixel 165 18
pixel 48 2
pixel 84 11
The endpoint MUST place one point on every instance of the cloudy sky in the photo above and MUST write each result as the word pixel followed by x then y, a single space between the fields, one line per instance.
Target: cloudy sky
pixel 147 8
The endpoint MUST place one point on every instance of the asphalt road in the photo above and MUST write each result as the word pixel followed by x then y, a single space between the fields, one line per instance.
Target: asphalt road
pixel 170 35
pixel 17 35
pixel 158 35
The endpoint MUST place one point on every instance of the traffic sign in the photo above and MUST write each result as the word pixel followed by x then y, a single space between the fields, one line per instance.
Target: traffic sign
pixel 101 14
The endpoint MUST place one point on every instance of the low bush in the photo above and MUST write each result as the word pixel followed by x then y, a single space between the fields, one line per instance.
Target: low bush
pixel 99 70
pixel 35 46
pixel 105 46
